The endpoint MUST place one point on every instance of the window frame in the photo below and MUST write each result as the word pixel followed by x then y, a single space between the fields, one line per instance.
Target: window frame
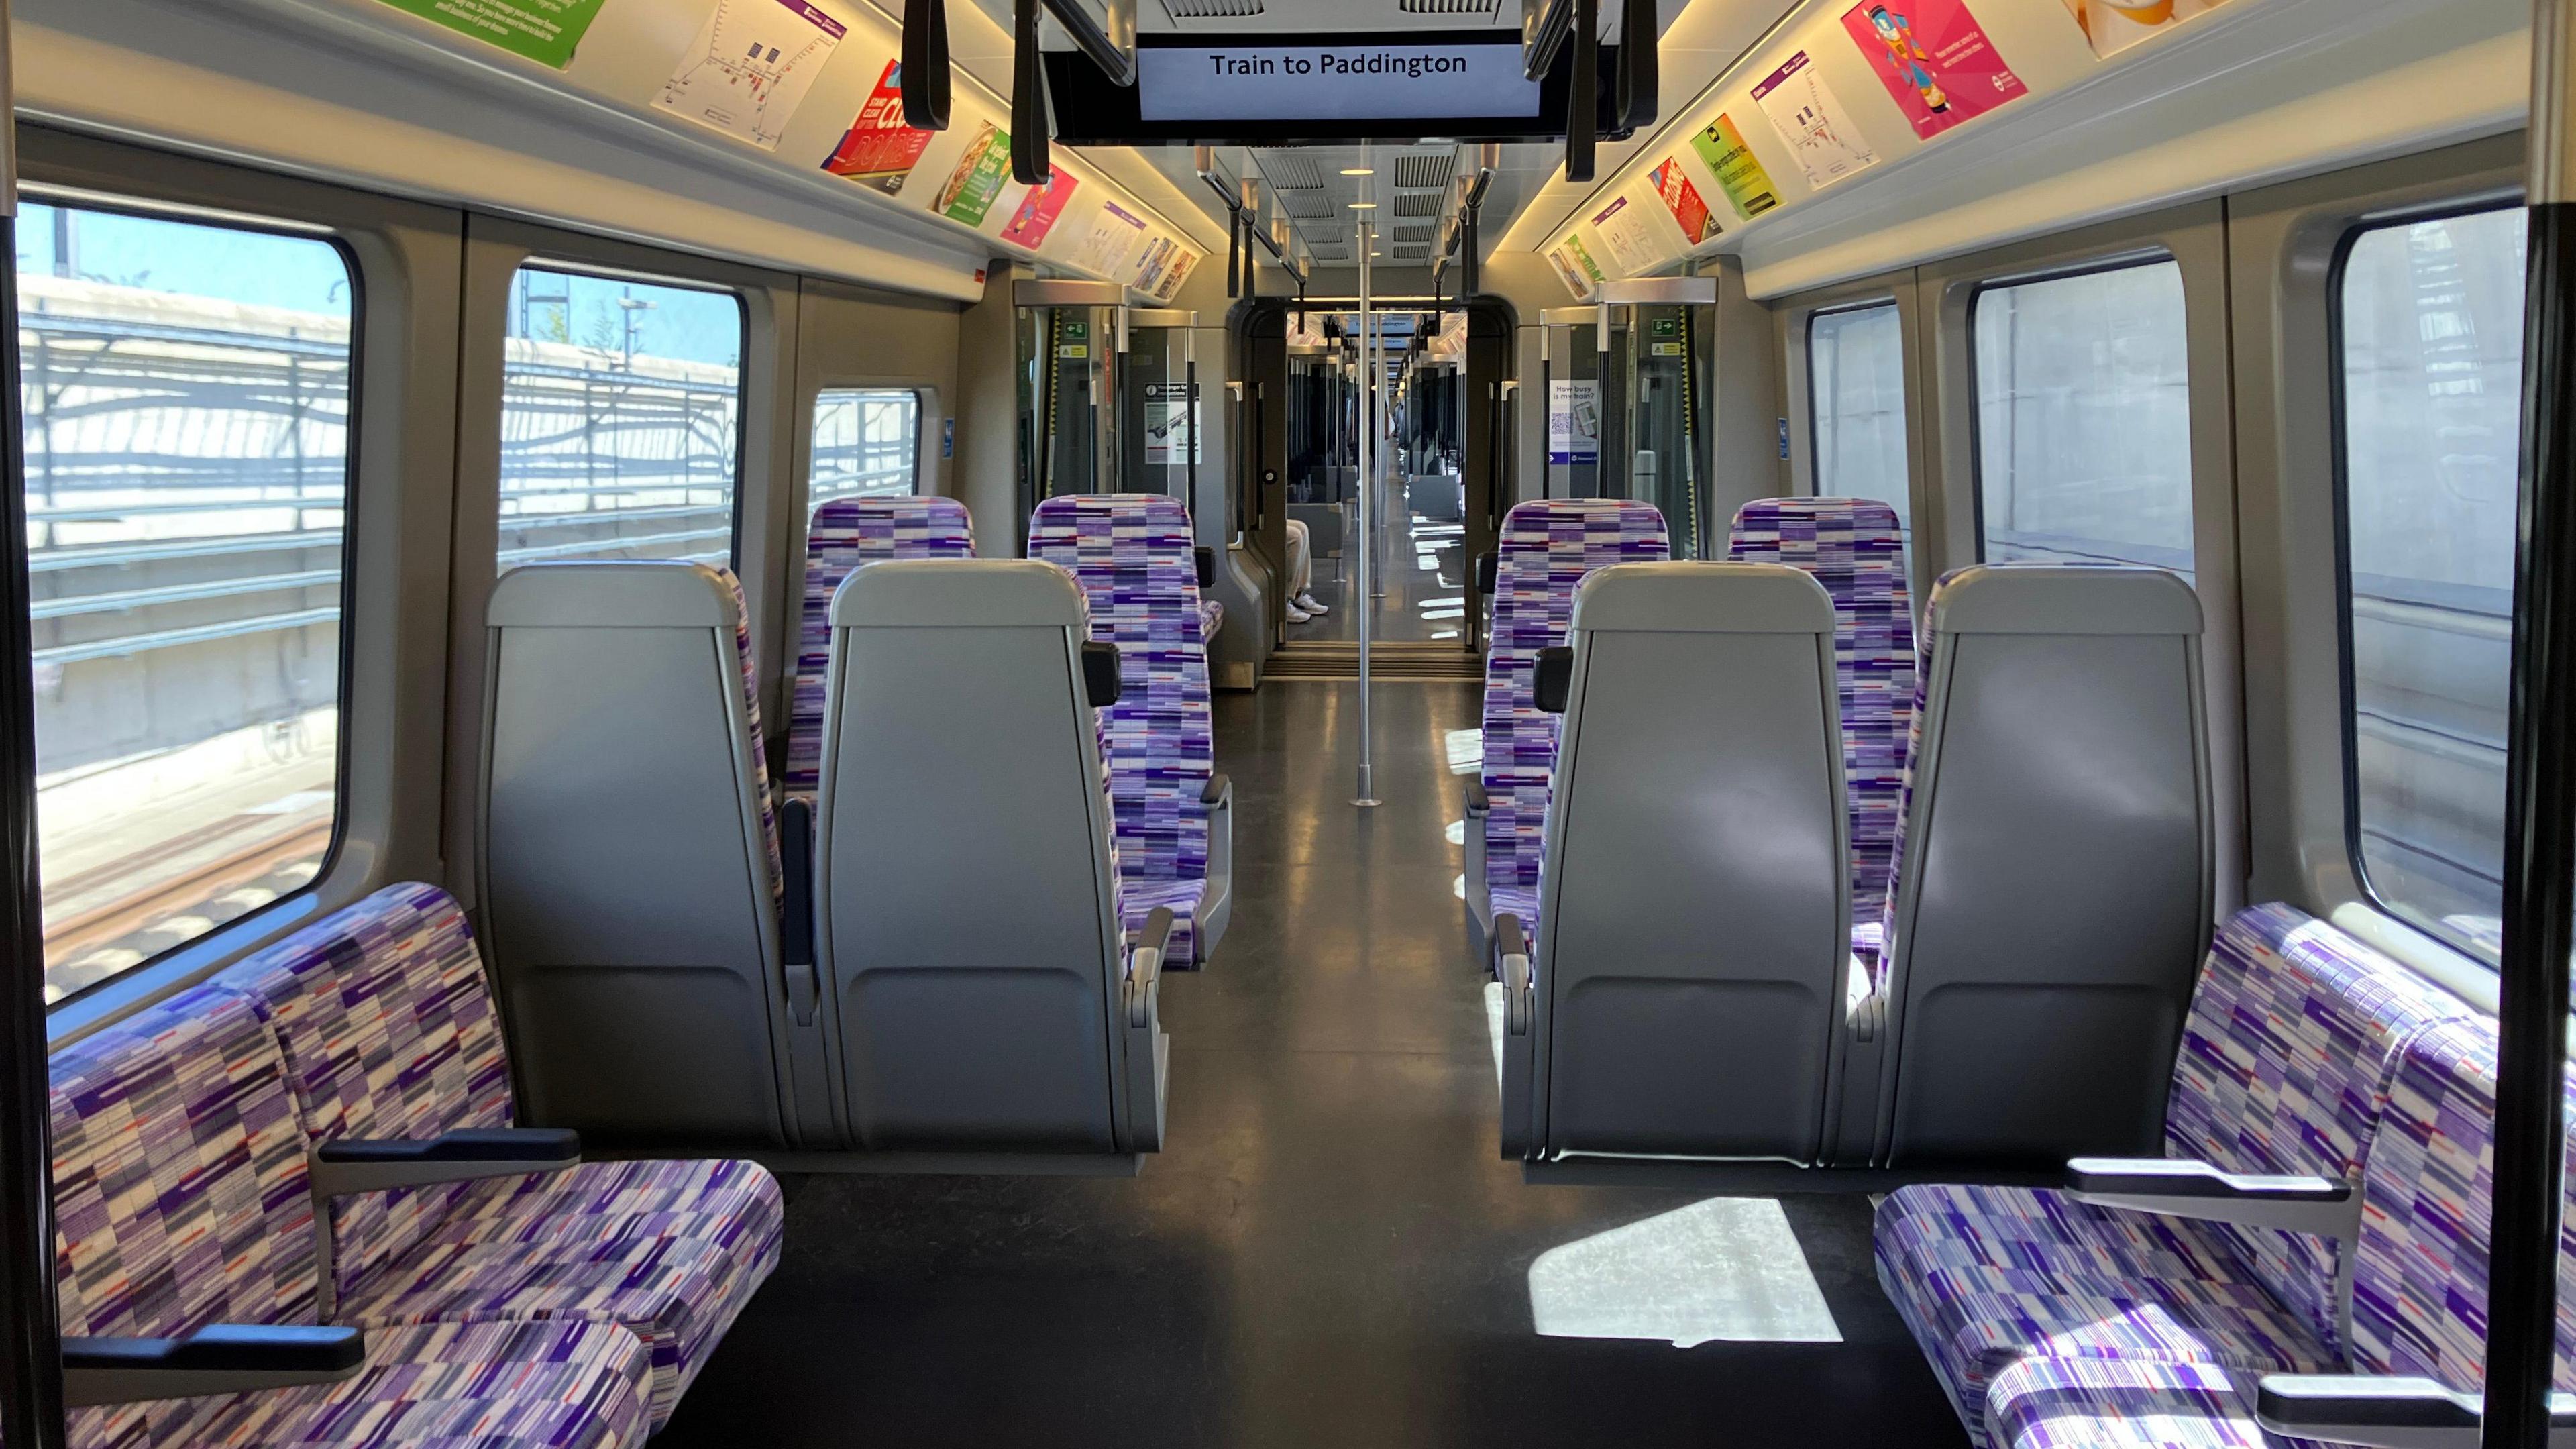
pixel 80 1002
pixel 2338 417
pixel 542 261
pixel 2153 256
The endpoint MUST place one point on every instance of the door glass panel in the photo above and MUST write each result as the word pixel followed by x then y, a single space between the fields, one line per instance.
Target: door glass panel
pixel 867 443
pixel 1856 386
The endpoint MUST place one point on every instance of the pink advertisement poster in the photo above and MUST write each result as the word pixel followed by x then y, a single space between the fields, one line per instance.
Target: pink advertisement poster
pixel 1934 59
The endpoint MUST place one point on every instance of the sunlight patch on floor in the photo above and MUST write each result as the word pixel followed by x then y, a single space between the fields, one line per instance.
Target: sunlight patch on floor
pixel 1494 1029
pixel 1724 1270
pixel 1456 834
pixel 1466 750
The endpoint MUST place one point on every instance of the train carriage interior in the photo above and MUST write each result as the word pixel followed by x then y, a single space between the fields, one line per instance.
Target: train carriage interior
pixel 1253 723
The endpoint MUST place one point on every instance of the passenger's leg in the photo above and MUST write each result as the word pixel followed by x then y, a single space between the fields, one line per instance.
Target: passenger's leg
pixel 1301 569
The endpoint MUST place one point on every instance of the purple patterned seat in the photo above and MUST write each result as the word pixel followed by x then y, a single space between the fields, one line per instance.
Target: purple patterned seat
pixel 388 1032
pixel 1855 549
pixel 846 533
pixel 1546 548
pixel 2419 1281
pixel 1133 555
pixel 2293 1033
pixel 182 1195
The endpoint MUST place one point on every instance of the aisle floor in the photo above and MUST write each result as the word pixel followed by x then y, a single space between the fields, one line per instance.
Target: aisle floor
pixel 1329 1252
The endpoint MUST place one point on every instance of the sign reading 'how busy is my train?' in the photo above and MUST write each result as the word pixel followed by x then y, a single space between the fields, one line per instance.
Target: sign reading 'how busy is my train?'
pixel 1409 81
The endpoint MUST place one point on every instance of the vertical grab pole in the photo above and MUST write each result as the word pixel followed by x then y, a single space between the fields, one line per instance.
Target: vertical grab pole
pixel 1360 602
pixel 31 1361
pixel 2540 780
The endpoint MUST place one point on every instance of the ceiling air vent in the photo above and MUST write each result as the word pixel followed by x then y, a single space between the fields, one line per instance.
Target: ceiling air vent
pixel 1446 7
pixel 1424 172
pixel 1421 203
pixel 1411 253
pixel 1215 9
pixel 1307 205
pixel 1413 235
pixel 1289 170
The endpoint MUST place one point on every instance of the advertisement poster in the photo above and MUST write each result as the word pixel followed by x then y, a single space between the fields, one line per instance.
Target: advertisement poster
pixel 1171 425
pixel 1567 273
pixel 1629 233
pixel 1149 267
pixel 1934 59
pixel 544 31
pixel 880 149
pixel 1038 210
pixel 1583 258
pixel 968 196
pixel 1112 241
pixel 1682 200
pixel 1178 272
pixel 753 61
pixel 1739 173
pixel 1812 120
pixel 2115 25
pixel 1573 420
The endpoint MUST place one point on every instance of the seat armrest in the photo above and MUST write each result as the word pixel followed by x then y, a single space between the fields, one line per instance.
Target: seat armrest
pixel 1100 678
pixel 2184 1188
pixel 221 1358
pixel 1511 950
pixel 1205 558
pixel 1553 680
pixel 1478 804
pixel 1486 564
pixel 375 1164
pixel 1145 966
pixel 2384 1411
pixel 796 910
pixel 1219 794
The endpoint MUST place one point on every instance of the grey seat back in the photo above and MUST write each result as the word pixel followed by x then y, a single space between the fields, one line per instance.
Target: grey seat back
pixel 626 862
pixel 2054 882
pixel 966 918
pixel 1695 901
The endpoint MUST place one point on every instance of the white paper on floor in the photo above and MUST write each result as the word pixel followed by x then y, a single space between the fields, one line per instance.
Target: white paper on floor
pixel 1726 1269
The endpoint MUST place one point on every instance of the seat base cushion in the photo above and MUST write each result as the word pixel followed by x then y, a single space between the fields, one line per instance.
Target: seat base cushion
pixel 2045 1403
pixel 495 1385
pixel 1933 1226
pixel 732 1204
pixel 678 1295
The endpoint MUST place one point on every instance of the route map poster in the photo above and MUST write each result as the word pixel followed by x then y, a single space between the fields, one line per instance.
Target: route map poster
pixel 1738 171
pixel 1811 118
pixel 1038 210
pixel 968 196
pixel 1629 234
pixel 544 31
pixel 753 61
pixel 2115 25
pixel 1683 201
pixel 1934 59
pixel 880 149
pixel 1112 241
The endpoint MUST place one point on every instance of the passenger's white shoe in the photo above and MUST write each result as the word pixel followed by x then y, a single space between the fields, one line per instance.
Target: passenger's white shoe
pixel 1297 615
pixel 1307 603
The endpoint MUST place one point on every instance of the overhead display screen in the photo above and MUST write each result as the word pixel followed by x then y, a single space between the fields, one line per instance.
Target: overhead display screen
pixel 1361 81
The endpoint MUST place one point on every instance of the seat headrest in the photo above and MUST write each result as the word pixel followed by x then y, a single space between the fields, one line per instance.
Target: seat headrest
pixel 960 594
pixel 1703 598
pixel 2063 599
pixel 618 594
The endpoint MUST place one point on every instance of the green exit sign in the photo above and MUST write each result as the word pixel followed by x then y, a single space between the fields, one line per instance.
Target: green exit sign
pixel 1667 327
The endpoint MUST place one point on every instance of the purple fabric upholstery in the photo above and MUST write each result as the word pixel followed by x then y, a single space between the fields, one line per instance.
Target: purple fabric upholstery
pixel 2287 1053
pixel 2043 1403
pixel 1133 555
pixel 1546 548
pixel 182 1197
pixel 846 533
pixel 1855 549
pixel 388 1032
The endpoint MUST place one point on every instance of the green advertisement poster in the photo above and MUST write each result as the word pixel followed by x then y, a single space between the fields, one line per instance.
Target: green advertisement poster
pixel 969 194
pixel 542 30
pixel 1739 172
pixel 1583 254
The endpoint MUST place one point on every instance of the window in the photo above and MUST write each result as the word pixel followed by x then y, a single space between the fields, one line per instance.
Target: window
pixel 1856 387
pixel 2084 419
pixel 186 389
pixel 865 443
pixel 620 420
pixel 2430 318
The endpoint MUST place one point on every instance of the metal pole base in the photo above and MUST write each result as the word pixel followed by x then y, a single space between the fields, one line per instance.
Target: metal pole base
pixel 1366 804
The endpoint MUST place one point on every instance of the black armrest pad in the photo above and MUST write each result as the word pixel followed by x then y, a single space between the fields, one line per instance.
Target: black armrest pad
pixel 493 1144
pixel 1486 565
pixel 1477 803
pixel 1100 674
pixel 1554 678
pixel 1206 559
pixel 1509 937
pixel 226 1348
pixel 1214 794
pixel 796 860
pixel 2182 1178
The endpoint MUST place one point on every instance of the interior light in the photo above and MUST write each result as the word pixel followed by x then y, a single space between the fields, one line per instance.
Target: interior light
pixel 1359 171
pixel 1363 206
